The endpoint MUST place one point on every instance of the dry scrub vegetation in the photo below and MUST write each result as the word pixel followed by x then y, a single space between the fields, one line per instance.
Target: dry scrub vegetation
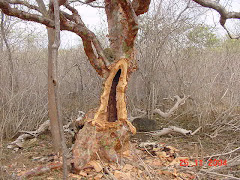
pixel 176 56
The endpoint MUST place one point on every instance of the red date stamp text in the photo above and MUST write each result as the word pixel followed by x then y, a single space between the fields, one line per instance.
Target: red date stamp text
pixel 211 162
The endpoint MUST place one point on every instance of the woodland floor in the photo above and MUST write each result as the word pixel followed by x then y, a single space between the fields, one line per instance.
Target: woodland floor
pixel 162 164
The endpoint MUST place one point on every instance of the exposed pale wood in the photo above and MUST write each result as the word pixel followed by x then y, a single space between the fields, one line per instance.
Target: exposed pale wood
pixel 144 144
pixel 198 129
pixel 100 134
pixel 179 102
pixel 171 129
pixel 100 118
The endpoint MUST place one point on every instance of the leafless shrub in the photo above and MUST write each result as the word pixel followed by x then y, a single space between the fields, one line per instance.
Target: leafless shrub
pixel 170 64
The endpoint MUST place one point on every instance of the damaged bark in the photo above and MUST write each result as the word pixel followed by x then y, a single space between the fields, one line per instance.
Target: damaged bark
pixel 106 129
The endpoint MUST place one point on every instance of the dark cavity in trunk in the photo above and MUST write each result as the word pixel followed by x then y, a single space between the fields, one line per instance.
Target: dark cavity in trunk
pixel 112 101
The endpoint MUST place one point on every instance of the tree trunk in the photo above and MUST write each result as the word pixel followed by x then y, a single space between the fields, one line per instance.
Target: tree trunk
pixel 106 130
pixel 52 101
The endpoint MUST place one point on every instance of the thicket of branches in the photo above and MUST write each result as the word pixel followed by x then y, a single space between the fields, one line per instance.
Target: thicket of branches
pixel 176 56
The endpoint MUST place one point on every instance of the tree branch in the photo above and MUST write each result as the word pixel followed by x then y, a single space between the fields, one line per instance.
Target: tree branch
pixel 24 3
pixel 94 6
pixel 8 10
pixel 89 1
pixel 18 143
pixel 42 7
pixel 88 34
pixel 71 23
pixel 131 21
pixel 180 101
pixel 171 129
pixel 140 6
pixel 224 14
pixel 223 154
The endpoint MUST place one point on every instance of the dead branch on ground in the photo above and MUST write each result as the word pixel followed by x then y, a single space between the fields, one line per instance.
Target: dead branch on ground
pixel 171 129
pixel 19 142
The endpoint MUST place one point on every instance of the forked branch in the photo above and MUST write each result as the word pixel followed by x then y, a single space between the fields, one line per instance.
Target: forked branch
pixel 179 102
pixel 8 10
pixel 69 22
pixel 224 14
pixel 24 3
pixel 87 35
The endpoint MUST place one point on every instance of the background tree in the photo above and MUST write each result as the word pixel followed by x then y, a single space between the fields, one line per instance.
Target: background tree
pixel 201 36
pixel 13 81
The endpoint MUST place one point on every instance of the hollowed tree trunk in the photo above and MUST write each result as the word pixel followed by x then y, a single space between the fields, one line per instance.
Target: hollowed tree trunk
pixel 106 131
